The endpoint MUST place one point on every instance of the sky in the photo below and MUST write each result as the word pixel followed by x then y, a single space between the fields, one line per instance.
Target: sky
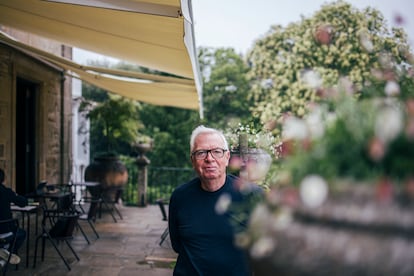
pixel 238 23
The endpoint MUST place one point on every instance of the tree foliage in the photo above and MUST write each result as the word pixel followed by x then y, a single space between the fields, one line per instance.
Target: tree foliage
pixel 226 87
pixel 338 44
pixel 170 129
pixel 115 125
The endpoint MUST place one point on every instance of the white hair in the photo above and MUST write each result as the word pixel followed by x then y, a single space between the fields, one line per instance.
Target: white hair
pixel 201 130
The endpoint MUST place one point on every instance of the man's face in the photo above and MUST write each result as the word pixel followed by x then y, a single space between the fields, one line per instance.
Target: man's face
pixel 210 168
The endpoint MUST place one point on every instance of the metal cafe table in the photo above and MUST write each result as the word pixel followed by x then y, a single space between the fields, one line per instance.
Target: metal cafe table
pixel 26 211
pixel 53 193
pixel 81 190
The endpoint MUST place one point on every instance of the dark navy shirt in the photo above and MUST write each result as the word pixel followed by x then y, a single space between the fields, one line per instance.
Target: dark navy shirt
pixel 203 238
pixel 8 196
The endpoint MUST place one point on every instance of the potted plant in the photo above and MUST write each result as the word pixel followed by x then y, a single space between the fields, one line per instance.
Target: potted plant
pixel 252 151
pixel 114 127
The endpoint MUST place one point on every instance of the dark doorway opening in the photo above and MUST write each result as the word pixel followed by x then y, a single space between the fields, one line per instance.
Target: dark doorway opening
pixel 26 113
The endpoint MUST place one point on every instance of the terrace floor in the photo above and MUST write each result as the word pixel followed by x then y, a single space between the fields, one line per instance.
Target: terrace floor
pixel 128 247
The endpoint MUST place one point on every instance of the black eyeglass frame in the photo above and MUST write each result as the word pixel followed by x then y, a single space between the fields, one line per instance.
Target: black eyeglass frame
pixel 206 152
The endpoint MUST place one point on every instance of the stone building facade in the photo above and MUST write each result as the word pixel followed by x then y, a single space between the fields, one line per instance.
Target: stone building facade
pixel 35 115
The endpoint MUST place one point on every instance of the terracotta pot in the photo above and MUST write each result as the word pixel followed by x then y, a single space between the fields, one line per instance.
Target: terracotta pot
pixel 107 170
pixel 352 233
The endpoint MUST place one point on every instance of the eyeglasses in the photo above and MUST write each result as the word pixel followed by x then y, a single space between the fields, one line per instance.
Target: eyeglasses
pixel 202 154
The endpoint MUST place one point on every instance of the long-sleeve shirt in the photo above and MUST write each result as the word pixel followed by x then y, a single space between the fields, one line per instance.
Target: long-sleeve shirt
pixel 203 237
pixel 8 196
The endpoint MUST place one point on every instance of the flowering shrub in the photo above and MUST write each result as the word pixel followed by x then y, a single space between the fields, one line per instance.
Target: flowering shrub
pixel 291 65
pixel 339 87
pixel 365 139
pixel 344 97
pixel 342 140
pixel 368 141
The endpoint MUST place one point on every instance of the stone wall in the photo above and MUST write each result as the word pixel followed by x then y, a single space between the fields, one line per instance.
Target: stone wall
pixel 53 116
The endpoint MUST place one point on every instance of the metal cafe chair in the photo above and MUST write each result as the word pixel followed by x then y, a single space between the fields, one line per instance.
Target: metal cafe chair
pixel 109 198
pixel 8 240
pixel 90 217
pixel 64 204
pixel 164 235
pixel 37 196
pixel 59 229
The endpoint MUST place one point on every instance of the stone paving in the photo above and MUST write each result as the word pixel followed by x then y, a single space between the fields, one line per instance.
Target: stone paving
pixel 128 247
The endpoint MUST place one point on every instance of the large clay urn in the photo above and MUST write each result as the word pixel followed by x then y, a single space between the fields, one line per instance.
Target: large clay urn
pixel 108 170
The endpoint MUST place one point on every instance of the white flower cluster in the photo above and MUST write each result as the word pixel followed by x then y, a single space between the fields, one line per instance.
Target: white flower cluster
pixel 312 126
pixel 292 66
pixel 255 138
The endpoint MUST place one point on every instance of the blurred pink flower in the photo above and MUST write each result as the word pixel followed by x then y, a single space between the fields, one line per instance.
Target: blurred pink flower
pixel 323 34
pixel 398 19
pixel 384 190
pixel 235 163
pixel 409 129
pixel 376 149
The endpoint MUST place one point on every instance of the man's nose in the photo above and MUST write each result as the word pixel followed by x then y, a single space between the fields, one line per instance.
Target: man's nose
pixel 209 156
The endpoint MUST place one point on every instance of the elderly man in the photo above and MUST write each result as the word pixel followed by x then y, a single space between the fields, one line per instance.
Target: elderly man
pixel 202 229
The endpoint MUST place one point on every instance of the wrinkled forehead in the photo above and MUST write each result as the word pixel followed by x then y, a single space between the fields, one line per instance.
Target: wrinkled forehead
pixel 208 140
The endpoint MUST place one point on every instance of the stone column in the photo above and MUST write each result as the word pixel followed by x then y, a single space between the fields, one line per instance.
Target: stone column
pixel 142 163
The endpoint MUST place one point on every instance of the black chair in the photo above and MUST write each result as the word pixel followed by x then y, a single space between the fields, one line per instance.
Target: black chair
pixel 57 227
pixel 37 196
pixel 7 242
pixel 64 205
pixel 90 217
pixel 164 235
pixel 110 198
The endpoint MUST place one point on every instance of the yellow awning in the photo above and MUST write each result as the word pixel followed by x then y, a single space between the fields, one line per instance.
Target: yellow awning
pixel 157 34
